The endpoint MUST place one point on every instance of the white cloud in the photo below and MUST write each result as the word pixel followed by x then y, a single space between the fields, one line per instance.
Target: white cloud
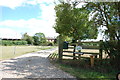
pixel 9 33
pixel 48 12
pixel 45 1
pixel 34 2
pixel 44 24
pixel 16 3
pixel 33 25
pixel 12 3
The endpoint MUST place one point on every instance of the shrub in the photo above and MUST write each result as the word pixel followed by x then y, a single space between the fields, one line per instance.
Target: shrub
pixel 50 44
pixel 10 42
pixel 6 43
pixel 112 48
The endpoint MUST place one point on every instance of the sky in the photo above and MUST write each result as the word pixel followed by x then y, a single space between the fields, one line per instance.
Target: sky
pixel 32 16
pixel 28 16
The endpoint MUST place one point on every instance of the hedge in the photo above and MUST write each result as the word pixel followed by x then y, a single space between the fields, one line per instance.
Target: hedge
pixel 9 42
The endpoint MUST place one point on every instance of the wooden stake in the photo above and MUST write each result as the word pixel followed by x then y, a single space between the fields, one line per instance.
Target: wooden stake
pixel 60 51
pixel 92 60
pixel 100 49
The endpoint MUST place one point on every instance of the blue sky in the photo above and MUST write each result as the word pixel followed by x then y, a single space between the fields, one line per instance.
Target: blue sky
pixel 31 16
pixel 25 12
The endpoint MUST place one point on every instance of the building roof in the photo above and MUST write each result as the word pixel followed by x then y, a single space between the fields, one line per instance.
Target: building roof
pixel 51 38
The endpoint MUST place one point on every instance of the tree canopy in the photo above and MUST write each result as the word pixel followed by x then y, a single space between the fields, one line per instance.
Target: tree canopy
pixel 73 22
pixel 39 38
pixel 108 16
pixel 28 38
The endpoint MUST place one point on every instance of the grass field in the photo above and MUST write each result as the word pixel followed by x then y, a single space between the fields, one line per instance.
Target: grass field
pixel 7 52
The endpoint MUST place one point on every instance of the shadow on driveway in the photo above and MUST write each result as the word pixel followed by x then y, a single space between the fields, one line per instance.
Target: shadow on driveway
pixel 31 67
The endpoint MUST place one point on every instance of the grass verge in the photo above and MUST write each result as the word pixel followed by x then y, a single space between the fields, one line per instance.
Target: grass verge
pixel 8 52
pixel 82 69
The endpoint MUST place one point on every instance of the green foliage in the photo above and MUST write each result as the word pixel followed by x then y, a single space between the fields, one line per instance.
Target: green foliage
pixel 112 49
pixel 90 44
pixel 0 42
pixel 81 69
pixel 68 39
pixel 39 38
pixel 50 44
pixel 36 40
pixel 28 38
pixel 24 42
pixel 108 16
pixel 6 43
pixel 73 22
pixel 10 42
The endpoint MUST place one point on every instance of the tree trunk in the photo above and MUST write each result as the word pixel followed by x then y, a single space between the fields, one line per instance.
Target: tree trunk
pixel 60 51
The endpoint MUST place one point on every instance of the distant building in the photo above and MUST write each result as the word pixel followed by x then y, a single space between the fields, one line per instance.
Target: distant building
pixel 50 39
pixel 9 39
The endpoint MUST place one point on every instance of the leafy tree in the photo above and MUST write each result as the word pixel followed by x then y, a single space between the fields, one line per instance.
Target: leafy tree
pixel 73 22
pixel 108 15
pixel 28 38
pixel 36 40
pixel 39 38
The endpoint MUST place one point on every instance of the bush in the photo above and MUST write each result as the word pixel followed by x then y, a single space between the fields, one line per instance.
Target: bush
pixel 47 44
pixel 50 44
pixel 112 48
pixel 6 43
pixel 0 42
pixel 24 42
pixel 10 42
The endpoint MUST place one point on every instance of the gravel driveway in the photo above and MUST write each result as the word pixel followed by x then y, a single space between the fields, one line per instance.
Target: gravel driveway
pixel 31 65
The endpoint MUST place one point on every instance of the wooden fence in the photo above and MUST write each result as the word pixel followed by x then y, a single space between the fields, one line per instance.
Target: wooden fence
pixel 77 54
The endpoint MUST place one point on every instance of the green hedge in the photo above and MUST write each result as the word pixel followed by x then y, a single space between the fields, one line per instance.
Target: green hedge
pixel 10 42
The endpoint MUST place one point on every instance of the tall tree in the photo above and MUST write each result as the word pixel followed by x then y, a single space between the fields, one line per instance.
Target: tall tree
pixel 39 38
pixel 28 38
pixel 108 15
pixel 73 22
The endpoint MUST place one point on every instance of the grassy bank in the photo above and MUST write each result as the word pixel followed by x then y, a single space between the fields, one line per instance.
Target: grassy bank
pixel 82 69
pixel 8 52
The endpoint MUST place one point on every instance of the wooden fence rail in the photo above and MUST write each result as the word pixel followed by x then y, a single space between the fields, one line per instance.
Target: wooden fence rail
pixel 96 45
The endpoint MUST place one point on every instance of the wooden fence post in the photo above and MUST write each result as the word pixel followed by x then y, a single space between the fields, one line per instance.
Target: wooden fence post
pixel 79 44
pixel 100 49
pixel 92 60
pixel 74 53
pixel 60 47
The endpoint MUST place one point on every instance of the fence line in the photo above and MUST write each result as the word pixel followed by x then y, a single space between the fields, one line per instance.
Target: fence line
pixel 98 45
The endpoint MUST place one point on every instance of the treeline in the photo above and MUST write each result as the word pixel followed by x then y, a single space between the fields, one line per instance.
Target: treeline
pixel 37 39
pixel 22 42
pixel 10 42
